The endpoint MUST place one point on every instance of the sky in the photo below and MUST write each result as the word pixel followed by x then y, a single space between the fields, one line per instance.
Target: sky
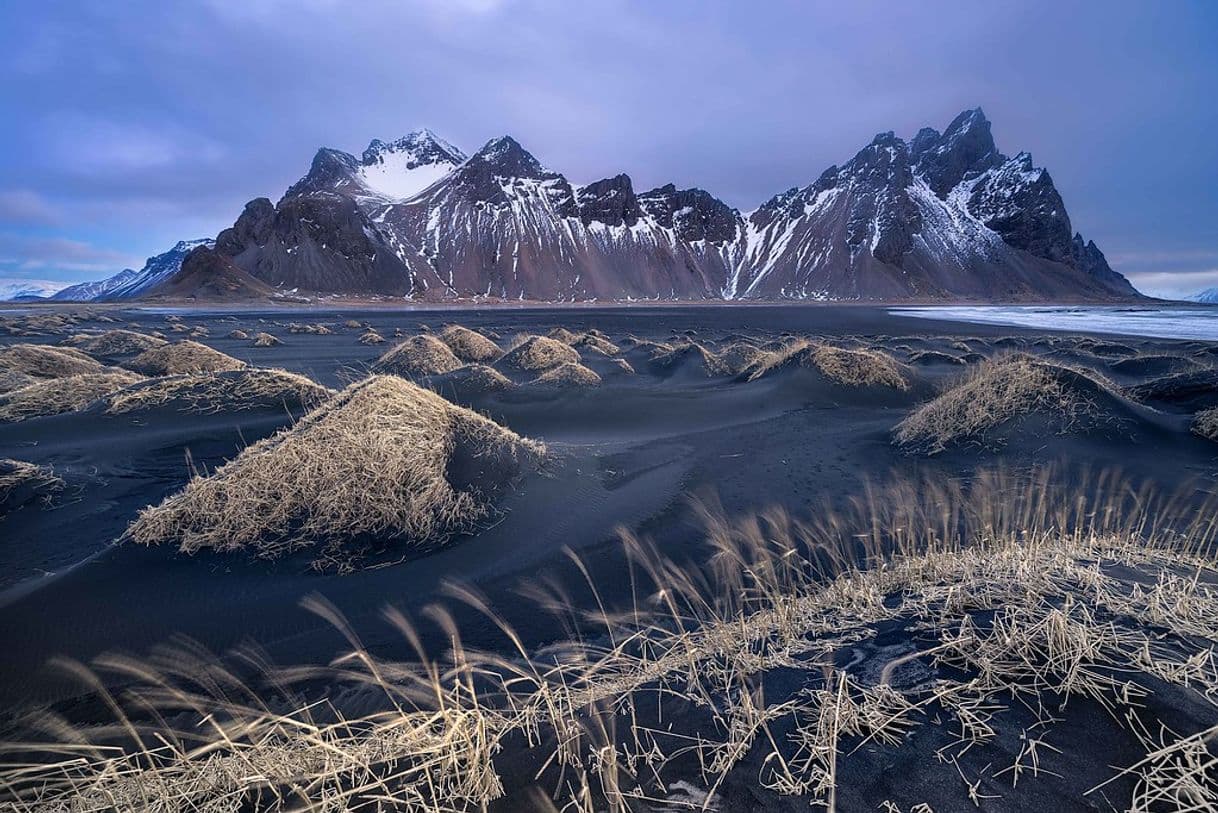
pixel 128 126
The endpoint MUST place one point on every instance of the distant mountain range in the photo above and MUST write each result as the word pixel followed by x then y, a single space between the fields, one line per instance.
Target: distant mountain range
pixel 19 290
pixel 940 216
pixel 1206 297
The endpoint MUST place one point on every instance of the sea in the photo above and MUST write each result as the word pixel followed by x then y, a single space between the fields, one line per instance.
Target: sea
pixel 1159 321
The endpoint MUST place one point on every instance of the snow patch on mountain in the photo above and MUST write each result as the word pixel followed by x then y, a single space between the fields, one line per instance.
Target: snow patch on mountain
pixel 11 289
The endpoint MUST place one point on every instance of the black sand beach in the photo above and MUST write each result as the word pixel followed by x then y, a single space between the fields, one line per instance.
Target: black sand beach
pixel 630 453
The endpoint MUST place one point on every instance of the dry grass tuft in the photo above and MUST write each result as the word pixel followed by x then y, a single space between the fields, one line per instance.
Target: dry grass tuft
pixel 568 374
pixel 538 353
pixel 370 336
pixel 59 395
pixel 266 340
pixel 1205 424
pixel 353 324
pixel 596 343
pixel 181 358
pixel 418 356
pixel 1021 603
pixel 473 379
pixel 739 356
pixel 561 334
pixel 384 459
pixel 230 391
pixel 22 482
pixel 692 354
pixel 623 366
pixel 996 392
pixel 44 361
pixel 11 380
pixel 469 345
pixel 238 334
pixel 857 367
pixel 114 343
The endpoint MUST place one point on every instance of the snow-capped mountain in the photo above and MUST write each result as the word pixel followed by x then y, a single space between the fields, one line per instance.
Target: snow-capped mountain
pixel 130 284
pixel 943 215
pixel 17 289
pixel 1207 297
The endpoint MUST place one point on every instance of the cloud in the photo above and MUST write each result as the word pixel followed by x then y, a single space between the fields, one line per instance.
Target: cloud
pixel 59 256
pixel 26 207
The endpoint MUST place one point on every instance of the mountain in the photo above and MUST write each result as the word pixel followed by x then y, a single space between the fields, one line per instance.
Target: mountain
pixel 16 290
pixel 1207 297
pixel 129 284
pixel 206 274
pixel 940 216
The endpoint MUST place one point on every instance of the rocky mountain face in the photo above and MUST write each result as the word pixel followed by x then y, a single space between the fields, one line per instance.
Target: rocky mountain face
pixel 941 216
pixel 131 284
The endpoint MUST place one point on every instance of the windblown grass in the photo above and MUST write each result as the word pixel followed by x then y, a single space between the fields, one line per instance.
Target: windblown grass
pixel 469 345
pixel 850 367
pixel 45 361
pixel 418 356
pixel 533 353
pixel 383 460
pixel 561 334
pixel 595 343
pixel 370 336
pixel 567 375
pixel 229 391
pixel 266 340
pixel 692 355
pixel 1205 424
pixel 114 343
pixel 183 357
pixel 22 482
pixel 1023 602
pixel 996 392
pixel 59 395
pixel 471 380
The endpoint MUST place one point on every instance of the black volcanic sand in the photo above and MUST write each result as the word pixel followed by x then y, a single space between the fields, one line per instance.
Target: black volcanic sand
pixel 629 454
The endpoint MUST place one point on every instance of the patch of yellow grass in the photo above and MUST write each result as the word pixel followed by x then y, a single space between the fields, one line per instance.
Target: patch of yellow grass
pixel 992 394
pixel 238 334
pixel 561 334
pixel 59 395
pixel 117 342
pixel 230 391
pixel 474 379
pixel 21 482
pixel 850 367
pixel 568 374
pixel 383 459
pixel 45 361
pixel 266 340
pixel 417 356
pixel 1205 424
pixel 370 336
pixel 469 345
pixel 538 353
pixel 704 357
pixel 596 343
pixel 183 357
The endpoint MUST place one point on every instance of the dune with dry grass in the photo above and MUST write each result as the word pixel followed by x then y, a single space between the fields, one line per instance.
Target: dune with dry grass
pixel 238 334
pixel 999 391
pixel 595 343
pixel 568 375
pixel 44 361
pixel 562 334
pixel 739 684
pixel 471 380
pixel 1205 424
pixel 370 336
pixel 22 482
pixel 469 345
pixel 263 339
pixel 535 353
pixel 114 343
pixel 183 357
pixel 383 460
pixel 691 356
pixel 228 391
pixel 849 367
pixel 58 395
pixel 417 356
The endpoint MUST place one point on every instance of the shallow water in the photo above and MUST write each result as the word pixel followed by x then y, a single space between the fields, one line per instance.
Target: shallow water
pixel 1166 322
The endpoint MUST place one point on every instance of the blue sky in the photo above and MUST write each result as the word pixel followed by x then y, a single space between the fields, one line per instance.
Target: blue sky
pixel 131 125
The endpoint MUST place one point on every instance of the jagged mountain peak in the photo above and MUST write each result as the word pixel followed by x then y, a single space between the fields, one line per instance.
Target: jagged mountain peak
pixel 964 150
pixel 418 147
pixel 508 159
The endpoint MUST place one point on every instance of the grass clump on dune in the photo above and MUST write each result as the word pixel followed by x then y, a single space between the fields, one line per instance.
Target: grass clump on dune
pixel 229 391
pixel 1205 424
pixel 595 343
pixel 533 353
pixel 22 482
pixel 370 336
pixel 114 343
pixel 1044 638
pixel 561 334
pixel 60 395
pixel 568 374
pixel 996 392
pixel 183 357
pixel 849 367
pixel 383 460
pixel 266 340
pixel 471 380
pixel 418 355
pixel 693 355
pixel 469 345
pixel 44 361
